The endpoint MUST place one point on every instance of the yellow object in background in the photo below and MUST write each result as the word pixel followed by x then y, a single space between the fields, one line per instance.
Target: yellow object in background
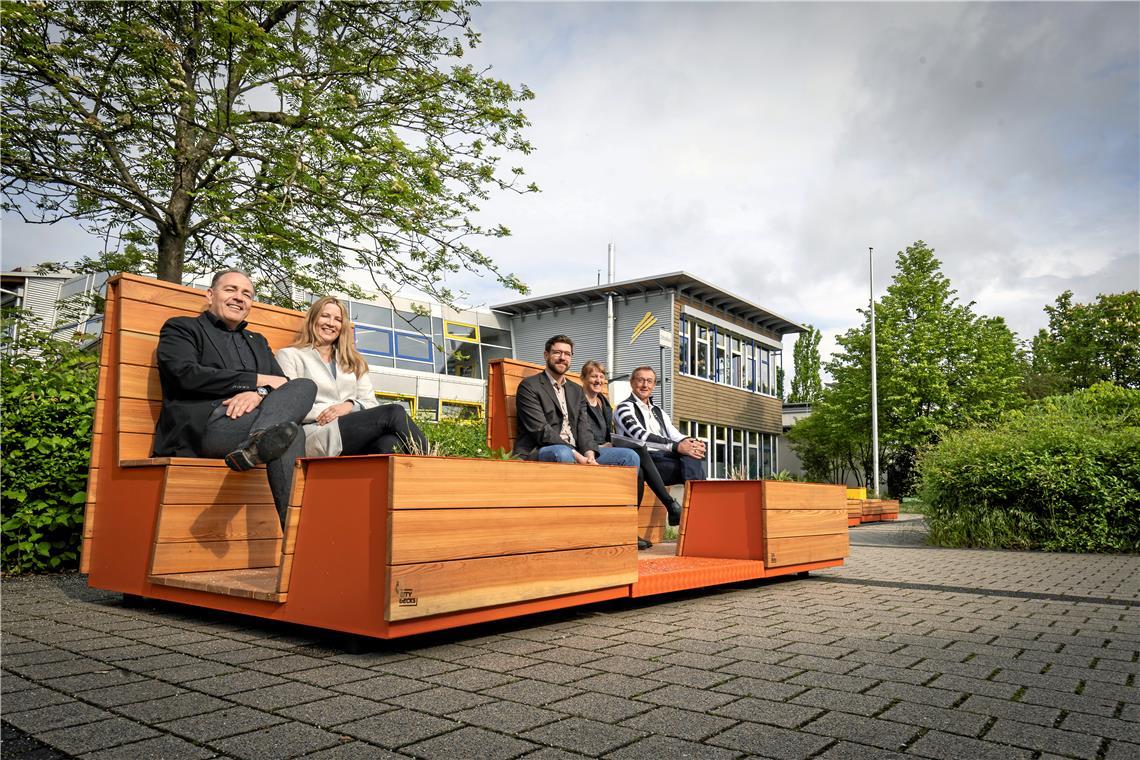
pixel 856 493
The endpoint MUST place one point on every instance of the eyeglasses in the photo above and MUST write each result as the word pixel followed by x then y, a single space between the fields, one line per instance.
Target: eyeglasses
pixel 644 381
pixel 561 353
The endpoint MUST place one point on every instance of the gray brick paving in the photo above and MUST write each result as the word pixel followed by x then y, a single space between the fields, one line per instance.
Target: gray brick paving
pixel 906 651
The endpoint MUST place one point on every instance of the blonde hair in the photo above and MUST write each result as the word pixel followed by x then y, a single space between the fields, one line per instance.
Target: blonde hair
pixel 344 350
pixel 589 367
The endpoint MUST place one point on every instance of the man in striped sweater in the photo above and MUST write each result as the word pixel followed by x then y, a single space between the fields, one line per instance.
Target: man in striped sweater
pixel 678 457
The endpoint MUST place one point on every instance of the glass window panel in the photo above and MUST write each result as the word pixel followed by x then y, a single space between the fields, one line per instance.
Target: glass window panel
pixel 416 347
pixel 427 408
pixel 490 353
pixel 462 358
pixel 702 351
pixel 460 410
pixel 753 462
pixel 409 320
pixel 765 371
pixel 493 336
pixel 750 367
pixel 683 349
pixel 720 359
pixel 372 341
pixel 408 402
pixel 380 316
pixel 461 331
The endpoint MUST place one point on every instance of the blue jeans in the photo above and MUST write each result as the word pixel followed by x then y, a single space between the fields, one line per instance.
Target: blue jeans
pixel 607 456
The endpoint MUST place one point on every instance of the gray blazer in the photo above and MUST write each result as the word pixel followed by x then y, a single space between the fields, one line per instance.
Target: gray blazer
pixel 540 417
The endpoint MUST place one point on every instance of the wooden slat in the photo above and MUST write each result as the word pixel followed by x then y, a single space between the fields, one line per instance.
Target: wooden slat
pixel 785 523
pixel 96 446
pixel 138 415
pixel 148 318
pixel 284 573
pixel 216 485
pixel 259 583
pixel 789 495
pixel 450 483
pixel 138 348
pixel 139 382
pixel 296 497
pixel 435 535
pixel 217 522
pixel 135 446
pixel 193 557
pixel 433 588
pixel 780 552
pixel 194 300
pixel 292 521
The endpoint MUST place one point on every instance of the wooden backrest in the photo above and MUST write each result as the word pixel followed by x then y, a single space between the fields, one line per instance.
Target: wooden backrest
pixel 136 309
pixel 503 381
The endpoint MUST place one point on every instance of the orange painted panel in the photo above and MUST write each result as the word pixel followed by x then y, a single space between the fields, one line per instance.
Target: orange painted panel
pixel 723 518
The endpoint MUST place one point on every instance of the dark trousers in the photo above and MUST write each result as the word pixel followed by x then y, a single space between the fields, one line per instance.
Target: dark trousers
pixel 648 474
pixel 381 430
pixel 678 468
pixel 289 403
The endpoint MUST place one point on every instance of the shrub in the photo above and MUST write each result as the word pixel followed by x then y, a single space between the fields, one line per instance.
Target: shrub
pixel 48 406
pixel 456 438
pixel 1062 475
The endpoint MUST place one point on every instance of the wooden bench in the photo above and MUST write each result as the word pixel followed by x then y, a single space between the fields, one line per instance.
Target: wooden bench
pixel 390 546
pixel 377 545
pixel 504 376
pixel 861 511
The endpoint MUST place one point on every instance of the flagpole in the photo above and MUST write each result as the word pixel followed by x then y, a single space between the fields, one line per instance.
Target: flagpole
pixel 874 379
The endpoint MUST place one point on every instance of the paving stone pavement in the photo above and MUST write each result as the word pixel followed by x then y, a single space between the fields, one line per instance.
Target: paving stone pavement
pixel 906 651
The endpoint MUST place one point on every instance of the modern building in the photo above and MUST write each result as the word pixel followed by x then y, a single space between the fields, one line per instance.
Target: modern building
pixel 718 357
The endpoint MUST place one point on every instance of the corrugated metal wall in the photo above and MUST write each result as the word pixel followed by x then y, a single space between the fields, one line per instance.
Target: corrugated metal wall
pixel 586 325
pixel 41 297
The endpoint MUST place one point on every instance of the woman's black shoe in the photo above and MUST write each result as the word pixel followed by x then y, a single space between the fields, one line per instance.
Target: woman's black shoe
pixel 643 544
pixel 263 446
pixel 674 510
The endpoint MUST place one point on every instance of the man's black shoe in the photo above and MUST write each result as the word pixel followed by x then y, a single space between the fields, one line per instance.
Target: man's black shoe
pixel 642 544
pixel 674 510
pixel 263 446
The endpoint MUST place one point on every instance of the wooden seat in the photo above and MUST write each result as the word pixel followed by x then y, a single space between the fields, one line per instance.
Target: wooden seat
pixel 503 381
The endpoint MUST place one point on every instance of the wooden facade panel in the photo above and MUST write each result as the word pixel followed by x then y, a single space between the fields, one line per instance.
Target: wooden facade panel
pixel 148 318
pixel 786 523
pixel 788 495
pixel 452 483
pixel 217 522
pixel 138 415
pixel 435 535
pixel 195 557
pixel 218 485
pixel 137 381
pixel 135 446
pixel 704 401
pixel 433 588
pixel 780 552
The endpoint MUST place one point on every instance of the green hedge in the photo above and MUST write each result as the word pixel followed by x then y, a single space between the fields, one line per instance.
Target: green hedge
pixel 456 438
pixel 1061 475
pixel 48 406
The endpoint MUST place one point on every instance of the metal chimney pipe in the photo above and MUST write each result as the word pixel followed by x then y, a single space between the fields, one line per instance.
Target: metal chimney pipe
pixel 610 353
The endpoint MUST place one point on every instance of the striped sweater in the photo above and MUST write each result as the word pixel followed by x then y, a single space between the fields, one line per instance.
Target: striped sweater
pixel 630 422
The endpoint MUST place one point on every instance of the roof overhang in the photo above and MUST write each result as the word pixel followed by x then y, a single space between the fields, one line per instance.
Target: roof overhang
pixel 716 299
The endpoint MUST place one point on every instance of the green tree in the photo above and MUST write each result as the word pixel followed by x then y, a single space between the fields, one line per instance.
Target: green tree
pixel 806 385
pixel 295 139
pixel 1086 344
pixel 940 367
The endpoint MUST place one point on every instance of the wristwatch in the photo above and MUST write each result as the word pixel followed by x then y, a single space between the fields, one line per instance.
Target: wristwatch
pixel 262 390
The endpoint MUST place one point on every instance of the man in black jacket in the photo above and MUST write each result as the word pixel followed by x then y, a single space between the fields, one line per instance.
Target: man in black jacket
pixel 223 393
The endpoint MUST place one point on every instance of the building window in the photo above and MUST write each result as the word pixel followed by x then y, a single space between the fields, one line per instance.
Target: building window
pixel 722 356
pixel 404 400
pixel 369 314
pixel 462 358
pixel 461 331
pixel 493 336
pixel 460 410
pixel 739 464
pixel 370 340
pixel 753 455
pixel 414 347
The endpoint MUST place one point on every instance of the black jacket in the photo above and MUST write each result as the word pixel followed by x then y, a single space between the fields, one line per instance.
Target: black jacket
pixel 197 375
pixel 539 416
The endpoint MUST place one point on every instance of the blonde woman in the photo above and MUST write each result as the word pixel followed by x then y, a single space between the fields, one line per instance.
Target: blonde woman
pixel 346 418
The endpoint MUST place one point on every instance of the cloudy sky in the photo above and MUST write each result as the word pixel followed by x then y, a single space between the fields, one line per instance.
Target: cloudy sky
pixel 764 146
